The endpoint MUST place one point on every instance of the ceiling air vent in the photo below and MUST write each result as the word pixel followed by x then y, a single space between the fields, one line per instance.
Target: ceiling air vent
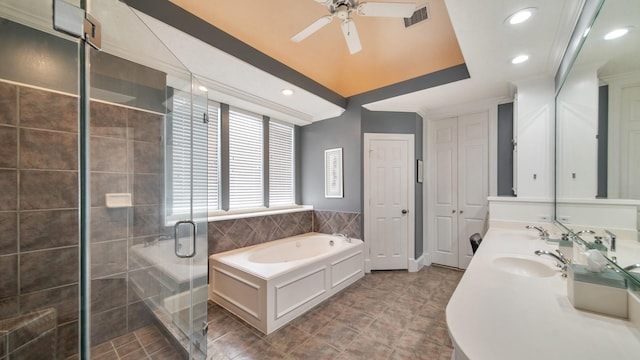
pixel 418 16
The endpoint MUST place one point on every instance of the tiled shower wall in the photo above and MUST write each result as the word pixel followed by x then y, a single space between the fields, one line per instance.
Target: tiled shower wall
pixel 39 209
pixel 126 157
pixel 228 235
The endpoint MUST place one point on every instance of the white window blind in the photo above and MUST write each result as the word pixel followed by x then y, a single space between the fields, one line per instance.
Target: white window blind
pixel 201 140
pixel 245 159
pixel 281 176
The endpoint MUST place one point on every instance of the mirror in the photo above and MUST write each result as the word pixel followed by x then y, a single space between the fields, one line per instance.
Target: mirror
pixel 598 131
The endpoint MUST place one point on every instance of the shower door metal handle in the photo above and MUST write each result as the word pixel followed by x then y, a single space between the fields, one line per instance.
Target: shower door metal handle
pixel 177 242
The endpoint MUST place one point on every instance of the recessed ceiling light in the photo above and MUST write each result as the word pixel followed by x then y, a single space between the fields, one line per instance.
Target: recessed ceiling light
pixel 202 88
pixel 287 92
pixel 519 59
pixel 614 34
pixel 520 16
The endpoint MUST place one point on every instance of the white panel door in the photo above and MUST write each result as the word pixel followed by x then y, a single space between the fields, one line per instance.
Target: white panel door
pixel 388 203
pixel 445 251
pixel 630 143
pixel 473 181
pixel 461 171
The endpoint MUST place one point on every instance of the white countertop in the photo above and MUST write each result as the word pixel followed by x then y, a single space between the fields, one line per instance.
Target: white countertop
pixel 494 314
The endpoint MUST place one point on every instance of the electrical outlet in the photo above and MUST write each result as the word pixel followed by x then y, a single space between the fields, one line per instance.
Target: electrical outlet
pixel 544 218
pixel 564 219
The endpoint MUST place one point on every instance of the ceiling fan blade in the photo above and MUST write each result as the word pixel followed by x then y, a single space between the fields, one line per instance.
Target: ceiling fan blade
pixel 351 35
pixel 315 26
pixel 402 10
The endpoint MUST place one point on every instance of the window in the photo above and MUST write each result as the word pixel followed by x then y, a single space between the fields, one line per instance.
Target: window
pixel 201 140
pixel 281 185
pixel 245 160
pixel 193 178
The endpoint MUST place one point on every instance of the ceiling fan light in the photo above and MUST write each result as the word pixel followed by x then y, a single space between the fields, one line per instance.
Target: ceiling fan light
pixel 520 16
pixel 519 59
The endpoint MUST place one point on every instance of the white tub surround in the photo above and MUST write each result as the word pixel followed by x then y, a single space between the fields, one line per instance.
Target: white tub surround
pixel 511 304
pixel 270 284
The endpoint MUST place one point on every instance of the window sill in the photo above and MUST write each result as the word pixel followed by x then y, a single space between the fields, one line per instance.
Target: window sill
pixel 247 213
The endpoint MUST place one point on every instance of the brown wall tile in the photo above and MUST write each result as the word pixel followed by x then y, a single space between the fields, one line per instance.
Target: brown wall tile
pixel 8 189
pixel 48 268
pixel 9 307
pixel 8 103
pixel 113 323
pixel 108 155
pixel 146 126
pixel 48 189
pixel 108 120
pixel 108 258
pixel 147 189
pixel 41 109
pixel 103 183
pixel 147 158
pixel 108 293
pixel 44 347
pixel 108 224
pixel 67 340
pixel 9 278
pixel 9 141
pixel 146 220
pixel 139 315
pixel 48 229
pixel 65 299
pixel 48 150
pixel 8 232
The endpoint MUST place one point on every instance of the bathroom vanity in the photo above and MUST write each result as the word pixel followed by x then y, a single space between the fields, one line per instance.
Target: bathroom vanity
pixel 512 304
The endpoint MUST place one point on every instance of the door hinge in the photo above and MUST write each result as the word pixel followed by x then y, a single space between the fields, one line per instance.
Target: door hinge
pixel 74 21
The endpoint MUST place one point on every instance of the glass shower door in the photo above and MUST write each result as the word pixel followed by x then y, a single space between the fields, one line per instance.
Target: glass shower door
pixel 147 231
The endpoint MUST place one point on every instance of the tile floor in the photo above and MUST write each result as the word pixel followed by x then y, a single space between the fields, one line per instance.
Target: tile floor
pixel 385 315
pixel 145 343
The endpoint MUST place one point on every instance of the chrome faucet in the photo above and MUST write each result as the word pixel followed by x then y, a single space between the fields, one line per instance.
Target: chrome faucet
pixel 544 234
pixel 631 267
pixel 612 240
pixel 345 236
pixel 563 262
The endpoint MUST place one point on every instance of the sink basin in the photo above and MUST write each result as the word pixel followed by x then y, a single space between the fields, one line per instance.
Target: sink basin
pixel 523 266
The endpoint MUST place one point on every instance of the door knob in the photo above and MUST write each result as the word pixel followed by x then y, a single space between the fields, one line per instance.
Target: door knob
pixel 453 211
pixel 461 211
pixel 404 211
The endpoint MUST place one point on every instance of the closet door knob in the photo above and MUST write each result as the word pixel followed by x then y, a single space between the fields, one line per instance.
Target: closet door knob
pixel 461 211
pixel 404 211
pixel 453 211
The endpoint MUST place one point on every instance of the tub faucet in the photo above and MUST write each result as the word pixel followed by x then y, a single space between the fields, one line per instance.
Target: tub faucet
pixel 544 234
pixel 612 240
pixel 346 237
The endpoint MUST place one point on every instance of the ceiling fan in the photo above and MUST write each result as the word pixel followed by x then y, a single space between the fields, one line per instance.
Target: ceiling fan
pixel 343 10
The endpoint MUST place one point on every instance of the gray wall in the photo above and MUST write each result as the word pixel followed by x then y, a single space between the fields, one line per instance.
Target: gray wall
pixel 344 132
pixel 505 149
pixel 401 123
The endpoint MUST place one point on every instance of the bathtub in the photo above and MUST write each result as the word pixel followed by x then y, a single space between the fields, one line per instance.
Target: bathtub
pixel 270 284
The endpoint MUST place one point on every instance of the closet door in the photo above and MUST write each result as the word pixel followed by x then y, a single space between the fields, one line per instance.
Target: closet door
pixel 445 251
pixel 473 181
pixel 461 186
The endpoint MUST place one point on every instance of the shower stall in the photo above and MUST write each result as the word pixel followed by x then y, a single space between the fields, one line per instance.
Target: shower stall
pixel 103 244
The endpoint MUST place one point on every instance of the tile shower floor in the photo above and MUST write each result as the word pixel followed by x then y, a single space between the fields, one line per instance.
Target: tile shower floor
pixel 385 315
